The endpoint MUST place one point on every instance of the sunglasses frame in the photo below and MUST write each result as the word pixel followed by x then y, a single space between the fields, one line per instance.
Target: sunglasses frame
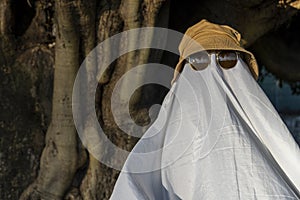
pixel 238 55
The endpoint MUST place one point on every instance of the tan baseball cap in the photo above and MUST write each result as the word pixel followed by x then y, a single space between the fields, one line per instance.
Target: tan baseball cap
pixel 209 36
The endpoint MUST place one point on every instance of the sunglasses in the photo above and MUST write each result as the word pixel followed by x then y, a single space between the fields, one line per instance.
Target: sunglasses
pixel 225 59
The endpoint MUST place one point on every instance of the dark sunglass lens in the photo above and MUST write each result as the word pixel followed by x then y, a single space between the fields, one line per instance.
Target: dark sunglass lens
pixel 227 59
pixel 199 61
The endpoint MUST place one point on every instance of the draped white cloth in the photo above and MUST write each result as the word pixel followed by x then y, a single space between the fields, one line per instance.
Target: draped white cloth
pixel 217 137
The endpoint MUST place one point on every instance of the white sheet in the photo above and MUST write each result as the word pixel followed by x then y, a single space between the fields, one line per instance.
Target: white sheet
pixel 217 136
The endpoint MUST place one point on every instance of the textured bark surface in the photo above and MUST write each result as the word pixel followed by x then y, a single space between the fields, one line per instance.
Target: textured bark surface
pixel 42 44
pixel 59 160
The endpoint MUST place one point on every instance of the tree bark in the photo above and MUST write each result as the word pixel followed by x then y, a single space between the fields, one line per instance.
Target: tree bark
pixel 6 40
pixel 111 22
pixel 59 160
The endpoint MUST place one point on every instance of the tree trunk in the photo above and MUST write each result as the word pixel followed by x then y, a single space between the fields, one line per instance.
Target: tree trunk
pixel 59 160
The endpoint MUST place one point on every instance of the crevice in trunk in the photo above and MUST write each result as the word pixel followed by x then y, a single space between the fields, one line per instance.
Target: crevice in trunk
pixel 23 12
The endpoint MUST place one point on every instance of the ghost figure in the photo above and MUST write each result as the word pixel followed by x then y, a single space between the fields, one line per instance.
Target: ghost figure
pixel 217 135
